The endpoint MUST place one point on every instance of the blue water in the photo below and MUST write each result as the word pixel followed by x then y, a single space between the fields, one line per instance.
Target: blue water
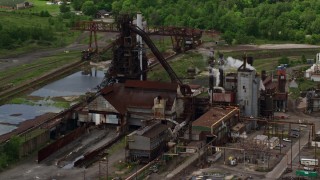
pixel 72 85
pixel 75 84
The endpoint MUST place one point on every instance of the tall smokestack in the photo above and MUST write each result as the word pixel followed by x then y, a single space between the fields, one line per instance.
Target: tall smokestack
pixel 220 77
pixel 139 41
pixel 244 61
pixel 211 79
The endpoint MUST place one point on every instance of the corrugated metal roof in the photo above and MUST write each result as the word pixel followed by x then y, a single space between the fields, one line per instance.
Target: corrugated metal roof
pixel 213 116
pixel 153 85
pixel 122 96
pixel 155 130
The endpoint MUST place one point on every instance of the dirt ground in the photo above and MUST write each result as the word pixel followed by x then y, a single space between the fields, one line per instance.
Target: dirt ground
pixel 227 48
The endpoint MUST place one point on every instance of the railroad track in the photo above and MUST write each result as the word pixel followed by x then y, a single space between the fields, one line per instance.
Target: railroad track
pixel 21 88
pixel 9 77
pixel 97 154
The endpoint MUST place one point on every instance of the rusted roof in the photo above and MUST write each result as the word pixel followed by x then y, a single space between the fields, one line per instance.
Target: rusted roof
pixel 25 125
pixel 214 116
pixel 152 85
pixel 138 95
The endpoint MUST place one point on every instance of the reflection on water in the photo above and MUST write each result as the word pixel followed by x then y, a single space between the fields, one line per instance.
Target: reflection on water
pixel 5 129
pixel 26 111
pixel 17 113
pixel 73 85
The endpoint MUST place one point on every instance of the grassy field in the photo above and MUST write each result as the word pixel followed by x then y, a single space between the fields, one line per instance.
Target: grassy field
pixel 21 19
pixel 43 65
pixel 29 18
pixel 180 67
pixel 10 3
pixel 39 6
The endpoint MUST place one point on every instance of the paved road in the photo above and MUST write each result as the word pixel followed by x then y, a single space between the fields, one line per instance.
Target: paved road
pixel 283 164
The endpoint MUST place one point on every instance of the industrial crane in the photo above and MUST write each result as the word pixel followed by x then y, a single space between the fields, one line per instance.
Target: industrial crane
pixel 125 63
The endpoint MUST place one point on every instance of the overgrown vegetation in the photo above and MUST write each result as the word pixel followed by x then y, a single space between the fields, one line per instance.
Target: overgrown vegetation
pixel 180 67
pixel 42 26
pixel 26 72
pixel 10 152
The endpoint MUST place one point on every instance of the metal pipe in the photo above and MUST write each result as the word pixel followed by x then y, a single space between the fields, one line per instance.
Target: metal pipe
pixel 139 39
pixel 236 109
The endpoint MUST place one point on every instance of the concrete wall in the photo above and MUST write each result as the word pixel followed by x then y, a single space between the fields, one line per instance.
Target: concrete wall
pixel 248 92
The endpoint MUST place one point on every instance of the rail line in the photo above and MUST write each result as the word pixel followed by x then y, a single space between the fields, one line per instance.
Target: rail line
pixel 93 156
pixel 13 75
pixel 11 92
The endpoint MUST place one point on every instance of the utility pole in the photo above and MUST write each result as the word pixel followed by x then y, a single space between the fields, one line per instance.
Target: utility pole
pixel 289 132
pixel 244 158
pixel 107 167
pixel 315 150
pixel 291 151
pixel 299 141
pixel 99 169
pixel 224 156
pixel 281 140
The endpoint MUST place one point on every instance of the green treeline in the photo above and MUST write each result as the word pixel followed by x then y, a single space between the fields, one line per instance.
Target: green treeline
pixel 242 20
pixel 18 29
pixel 15 36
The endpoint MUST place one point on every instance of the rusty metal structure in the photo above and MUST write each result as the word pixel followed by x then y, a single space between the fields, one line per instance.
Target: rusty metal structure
pixel 126 63
pixel 182 38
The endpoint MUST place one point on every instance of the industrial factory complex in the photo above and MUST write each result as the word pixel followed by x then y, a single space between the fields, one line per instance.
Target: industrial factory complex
pixel 237 118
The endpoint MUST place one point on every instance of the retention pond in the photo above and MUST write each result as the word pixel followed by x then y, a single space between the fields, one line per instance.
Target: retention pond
pixel 53 97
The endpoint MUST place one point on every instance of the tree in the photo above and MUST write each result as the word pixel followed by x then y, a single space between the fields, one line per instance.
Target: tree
pixel 251 26
pixel 3 160
pixel 88 8
pixel 303 59
pixel 44 14
pixel 77 4
pixel 64 8
pixel 12 148
pixel 228 36
pixel 283 60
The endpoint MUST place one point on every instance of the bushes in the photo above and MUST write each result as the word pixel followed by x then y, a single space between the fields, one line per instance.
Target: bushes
pixel 44 14
pixel 16 36
pixel 10 151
